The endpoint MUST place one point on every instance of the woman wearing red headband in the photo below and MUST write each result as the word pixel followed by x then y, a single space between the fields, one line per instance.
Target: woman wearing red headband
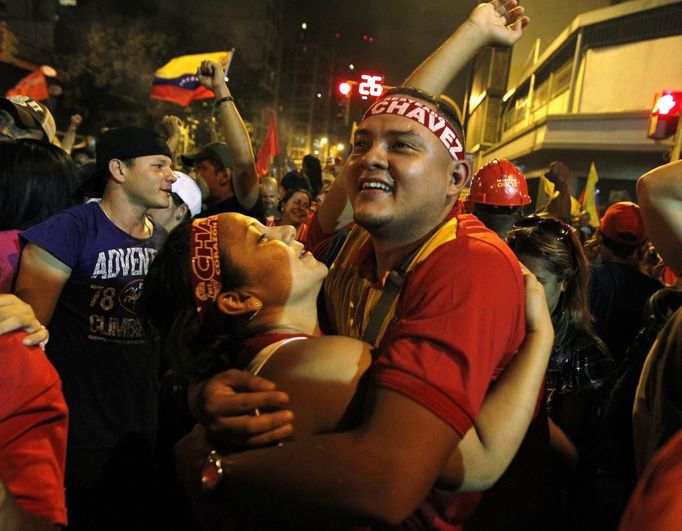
pixel 227 291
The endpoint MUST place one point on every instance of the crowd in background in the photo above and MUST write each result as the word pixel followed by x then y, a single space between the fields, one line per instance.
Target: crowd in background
pixel 167 280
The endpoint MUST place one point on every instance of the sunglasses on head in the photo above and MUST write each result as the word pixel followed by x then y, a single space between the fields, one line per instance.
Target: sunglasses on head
pixel 552 226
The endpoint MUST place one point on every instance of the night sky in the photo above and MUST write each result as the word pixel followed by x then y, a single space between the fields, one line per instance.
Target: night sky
pixel 404 31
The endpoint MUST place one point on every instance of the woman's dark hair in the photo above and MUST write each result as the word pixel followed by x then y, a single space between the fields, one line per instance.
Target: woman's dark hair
pixel 37 180
pixel 191 348
pixel 294 181
pixel 312 168
pixel 290 193
pixel 564 257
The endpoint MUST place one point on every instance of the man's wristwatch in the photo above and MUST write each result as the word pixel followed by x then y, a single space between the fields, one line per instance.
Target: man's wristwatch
pixel 212 471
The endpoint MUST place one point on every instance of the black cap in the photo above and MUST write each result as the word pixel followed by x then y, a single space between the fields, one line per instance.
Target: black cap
pixel 215 151
pixel 122 143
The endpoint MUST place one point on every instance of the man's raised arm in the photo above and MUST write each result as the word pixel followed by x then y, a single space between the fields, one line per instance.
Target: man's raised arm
pixel 660 198
pixel 245 176
pixel 497 23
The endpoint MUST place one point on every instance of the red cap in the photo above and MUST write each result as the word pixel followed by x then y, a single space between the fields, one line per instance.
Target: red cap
pixel 622 223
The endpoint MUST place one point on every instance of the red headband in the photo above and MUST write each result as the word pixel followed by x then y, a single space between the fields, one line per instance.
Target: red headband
pixel 424 115
pixel 206 277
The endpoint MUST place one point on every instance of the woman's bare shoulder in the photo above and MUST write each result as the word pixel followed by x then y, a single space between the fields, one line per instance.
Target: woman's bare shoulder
pixel 322 376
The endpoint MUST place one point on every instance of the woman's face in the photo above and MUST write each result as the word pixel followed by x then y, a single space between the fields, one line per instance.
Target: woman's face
pixel 551 282
pixel 277 267
pixel 296 209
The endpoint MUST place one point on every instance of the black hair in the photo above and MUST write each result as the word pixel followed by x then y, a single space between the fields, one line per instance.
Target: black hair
pixel 294 180
pixel 621 250
pixel 441 105
pixel 178 202
pixel 37 180
pixel 312 168
pixel 290 193
pixel 192 348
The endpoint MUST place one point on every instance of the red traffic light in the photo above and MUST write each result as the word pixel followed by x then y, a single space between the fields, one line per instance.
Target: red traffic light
pixel 667 103
pixel 345 88
pixel 665 114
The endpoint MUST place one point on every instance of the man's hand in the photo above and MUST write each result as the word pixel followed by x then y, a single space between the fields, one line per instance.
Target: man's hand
pixel 229 406
pixel 76 120
pixel 211 76
pixel 15 314
pixel 171 125
pixel 559 174
pixel 500 21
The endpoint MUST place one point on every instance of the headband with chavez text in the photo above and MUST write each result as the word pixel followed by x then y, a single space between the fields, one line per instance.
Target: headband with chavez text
pixel 424 115
pixel 206 276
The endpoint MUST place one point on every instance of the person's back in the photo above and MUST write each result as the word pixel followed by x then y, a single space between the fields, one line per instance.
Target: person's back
pixel 618 293
pixel 618 289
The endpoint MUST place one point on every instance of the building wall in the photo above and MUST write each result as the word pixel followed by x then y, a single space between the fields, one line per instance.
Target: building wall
pixel 626 77
pixel 548 19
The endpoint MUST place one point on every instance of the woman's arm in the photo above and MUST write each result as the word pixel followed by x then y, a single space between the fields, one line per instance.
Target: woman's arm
pixel 335 212
pixel 489 446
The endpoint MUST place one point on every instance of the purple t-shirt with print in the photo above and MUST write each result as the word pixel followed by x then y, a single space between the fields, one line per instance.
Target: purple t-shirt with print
pixel 97 343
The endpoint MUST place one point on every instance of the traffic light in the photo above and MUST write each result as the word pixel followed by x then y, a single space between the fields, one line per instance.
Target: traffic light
pixel 345 89
pixel 665 114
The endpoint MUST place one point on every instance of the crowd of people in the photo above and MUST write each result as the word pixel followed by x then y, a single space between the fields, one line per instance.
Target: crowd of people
pixel 207 348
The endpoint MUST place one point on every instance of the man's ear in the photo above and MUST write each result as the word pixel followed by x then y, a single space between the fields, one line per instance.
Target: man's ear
pixel 117 170
pixel 459 176
pixel 237 303
pixel 225 177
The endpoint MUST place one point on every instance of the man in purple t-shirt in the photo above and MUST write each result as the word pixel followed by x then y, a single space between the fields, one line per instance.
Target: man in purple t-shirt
pixel 82 271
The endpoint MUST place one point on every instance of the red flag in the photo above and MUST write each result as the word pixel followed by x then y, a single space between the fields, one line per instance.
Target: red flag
pixel 33 85
pixel 269 149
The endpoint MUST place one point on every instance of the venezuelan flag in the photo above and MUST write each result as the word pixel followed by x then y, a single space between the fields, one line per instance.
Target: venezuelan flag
pixel 176 81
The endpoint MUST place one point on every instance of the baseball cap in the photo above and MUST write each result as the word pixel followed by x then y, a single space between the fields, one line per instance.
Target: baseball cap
pixel 30 114
pixel 215 150
pixel 126 142
pixel 188 190
pixel 622 223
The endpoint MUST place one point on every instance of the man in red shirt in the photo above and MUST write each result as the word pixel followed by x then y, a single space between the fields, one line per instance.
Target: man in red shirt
pixel 455 325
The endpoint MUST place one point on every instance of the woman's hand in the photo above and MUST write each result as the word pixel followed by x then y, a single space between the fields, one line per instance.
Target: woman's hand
pixel 15 314
pixel 538 318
